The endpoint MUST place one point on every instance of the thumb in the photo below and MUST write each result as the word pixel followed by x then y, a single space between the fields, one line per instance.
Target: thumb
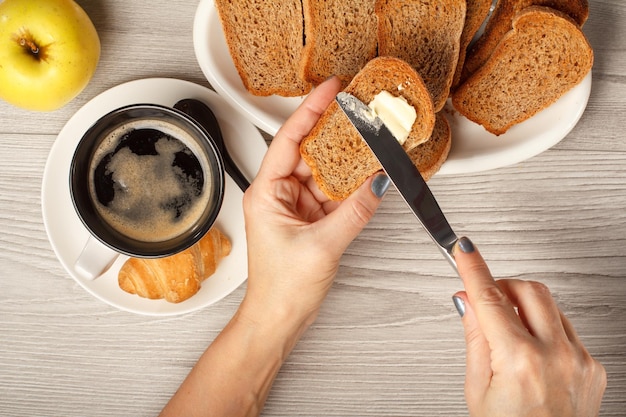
pixel 478 354
pixel 353 214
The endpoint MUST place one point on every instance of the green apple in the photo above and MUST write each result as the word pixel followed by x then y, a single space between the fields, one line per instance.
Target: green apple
pixel 49 50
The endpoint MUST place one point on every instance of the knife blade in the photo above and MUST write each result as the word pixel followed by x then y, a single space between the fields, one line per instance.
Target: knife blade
pixel 401 171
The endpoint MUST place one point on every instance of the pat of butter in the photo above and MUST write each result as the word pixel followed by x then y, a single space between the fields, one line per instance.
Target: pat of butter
pixel 396 113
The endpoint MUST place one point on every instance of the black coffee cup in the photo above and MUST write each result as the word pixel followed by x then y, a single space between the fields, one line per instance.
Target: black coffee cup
pixel 146 181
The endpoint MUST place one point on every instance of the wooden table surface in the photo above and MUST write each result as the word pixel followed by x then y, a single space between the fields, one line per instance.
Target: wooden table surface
pixel 388 341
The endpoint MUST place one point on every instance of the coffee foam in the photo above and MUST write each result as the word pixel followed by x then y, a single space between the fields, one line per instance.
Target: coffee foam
pixel 154 200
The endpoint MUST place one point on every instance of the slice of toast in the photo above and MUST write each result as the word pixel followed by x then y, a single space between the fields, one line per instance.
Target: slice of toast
pixel 426 35
pixel 339 159
pixel 340 38
pixel 542 57
pixel 265 40
pixel 476 13
pixel 501 21
pixel 429 156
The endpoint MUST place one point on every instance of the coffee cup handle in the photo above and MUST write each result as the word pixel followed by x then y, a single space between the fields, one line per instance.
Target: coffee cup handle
pixel 95 259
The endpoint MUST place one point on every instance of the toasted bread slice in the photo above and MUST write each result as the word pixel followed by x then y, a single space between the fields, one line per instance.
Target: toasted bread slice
pixel 545 55
pixel 501 21
pixel 429 156
pixel 426 35
pixel 340 38
pixel 339 159
pixel 265 40
pixel 477 12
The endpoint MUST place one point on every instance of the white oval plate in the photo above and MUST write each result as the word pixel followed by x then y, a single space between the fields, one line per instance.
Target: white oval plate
pixel 67 235
pixel 473 148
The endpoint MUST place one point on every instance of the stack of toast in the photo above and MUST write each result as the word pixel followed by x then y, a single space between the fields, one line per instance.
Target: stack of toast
pixel 530 53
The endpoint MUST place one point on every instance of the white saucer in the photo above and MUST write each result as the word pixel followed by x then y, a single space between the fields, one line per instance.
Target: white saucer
pixel 67 234
pixel 473 148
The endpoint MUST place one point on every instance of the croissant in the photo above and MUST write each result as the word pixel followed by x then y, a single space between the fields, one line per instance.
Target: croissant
pixel 176 277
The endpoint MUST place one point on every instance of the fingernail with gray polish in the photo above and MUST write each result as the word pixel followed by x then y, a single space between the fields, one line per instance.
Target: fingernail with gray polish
pixel 460 305
pixel 466 245
pixel 380 185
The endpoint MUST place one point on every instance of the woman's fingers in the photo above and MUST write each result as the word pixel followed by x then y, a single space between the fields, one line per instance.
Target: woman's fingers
pixel 349 217
pixel 569 330
pixel 523 355
pixel 283 157
pixel 536 307
pixel 478 371
pixel 495 314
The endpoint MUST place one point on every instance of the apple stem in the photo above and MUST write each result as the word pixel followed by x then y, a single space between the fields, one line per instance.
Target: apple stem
pixel 30 45
pixel 26 40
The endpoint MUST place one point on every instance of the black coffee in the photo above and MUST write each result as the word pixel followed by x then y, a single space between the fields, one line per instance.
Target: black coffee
pixel 147 182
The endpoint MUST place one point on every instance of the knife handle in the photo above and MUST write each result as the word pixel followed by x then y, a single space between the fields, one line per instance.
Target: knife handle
pixel 447 253
pixel 446 249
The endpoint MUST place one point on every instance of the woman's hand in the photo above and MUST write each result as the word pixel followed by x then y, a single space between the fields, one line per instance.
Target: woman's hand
pixel 523 355
pixel 296 236
pixel 295 240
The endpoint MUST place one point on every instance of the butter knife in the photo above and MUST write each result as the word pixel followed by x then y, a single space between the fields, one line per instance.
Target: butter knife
pixel 401 171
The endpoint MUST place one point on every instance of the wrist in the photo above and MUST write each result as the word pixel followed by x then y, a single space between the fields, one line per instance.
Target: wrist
pixel 279 326
pixel 235 374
